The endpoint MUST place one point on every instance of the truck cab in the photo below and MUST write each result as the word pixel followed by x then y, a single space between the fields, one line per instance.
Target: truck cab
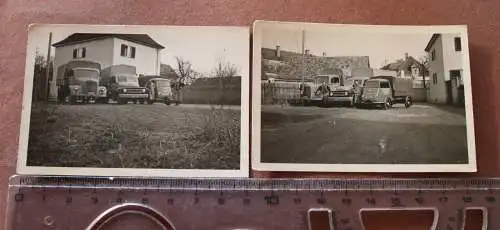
pixel 314 91
pixel 329 89
pixel 125 87
pixel 81 85
pixel 384 91
pixel 122 84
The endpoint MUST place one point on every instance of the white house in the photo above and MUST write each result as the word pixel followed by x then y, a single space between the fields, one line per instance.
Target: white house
pixel 445 69
pixel 138 50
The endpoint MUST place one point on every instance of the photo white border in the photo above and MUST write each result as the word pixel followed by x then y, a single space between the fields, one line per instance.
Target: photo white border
pixel 257 165
pixel 22 168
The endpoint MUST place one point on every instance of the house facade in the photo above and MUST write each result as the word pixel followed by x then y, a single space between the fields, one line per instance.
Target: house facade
pixel 445 68
pixel 138 50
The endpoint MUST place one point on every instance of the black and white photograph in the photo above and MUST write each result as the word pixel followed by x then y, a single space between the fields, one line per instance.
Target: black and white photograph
pixel 122 100
pixel 361 98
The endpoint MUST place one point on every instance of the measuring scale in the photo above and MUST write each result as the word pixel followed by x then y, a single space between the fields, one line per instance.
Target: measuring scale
pixel 106 203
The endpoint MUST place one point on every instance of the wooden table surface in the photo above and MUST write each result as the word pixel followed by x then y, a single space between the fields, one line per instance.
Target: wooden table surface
pixel 481 16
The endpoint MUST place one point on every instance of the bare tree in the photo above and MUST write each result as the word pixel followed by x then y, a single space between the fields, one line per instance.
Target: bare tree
pixel 185 72
pixel 224 72
pixel 425 60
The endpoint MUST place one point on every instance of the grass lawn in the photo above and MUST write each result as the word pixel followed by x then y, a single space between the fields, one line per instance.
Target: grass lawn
pixel 134 136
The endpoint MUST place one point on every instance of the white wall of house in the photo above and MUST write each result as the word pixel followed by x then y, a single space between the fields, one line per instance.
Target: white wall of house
pixel 453 60
pixel 146 61
pixel 446 59
pixel 100 51
pixel 437 88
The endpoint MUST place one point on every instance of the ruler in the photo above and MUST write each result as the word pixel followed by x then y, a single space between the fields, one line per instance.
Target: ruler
pixel 104 203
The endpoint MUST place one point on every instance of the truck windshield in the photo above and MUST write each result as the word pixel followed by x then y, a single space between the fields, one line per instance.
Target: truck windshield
pixel 163 83
pixel 372 84
pixel 82 75
pixel 128 80
pixel 321 79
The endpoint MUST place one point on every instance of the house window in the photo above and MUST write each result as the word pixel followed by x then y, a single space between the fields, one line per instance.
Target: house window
pixel 433 55
pixel 132 52
pixel 127 51
pixel 79 53
pixel 458 44
pixel 123 50
pixel 434 78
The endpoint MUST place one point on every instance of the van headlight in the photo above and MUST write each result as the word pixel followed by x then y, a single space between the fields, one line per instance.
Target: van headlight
pixel 124 90
pixel 143 90
pixel 346 93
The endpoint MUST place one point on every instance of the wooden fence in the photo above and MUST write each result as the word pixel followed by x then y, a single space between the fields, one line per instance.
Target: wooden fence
pixel 280 92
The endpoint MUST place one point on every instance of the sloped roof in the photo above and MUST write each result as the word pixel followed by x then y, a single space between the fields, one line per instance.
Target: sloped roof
pixel 431 42
pixel 404 65
pixel 76 38
pixel 270 54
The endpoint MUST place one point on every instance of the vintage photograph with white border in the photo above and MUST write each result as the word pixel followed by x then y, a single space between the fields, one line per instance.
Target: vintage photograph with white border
pixel 136 100
pixel 361 98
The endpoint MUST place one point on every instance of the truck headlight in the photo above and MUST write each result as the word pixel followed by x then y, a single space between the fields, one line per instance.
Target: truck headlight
pixel 346 93
pixel 124 90
pixel 143 90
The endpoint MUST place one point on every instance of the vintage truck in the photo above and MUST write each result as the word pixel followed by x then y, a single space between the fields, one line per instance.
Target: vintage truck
pixel 384 91
pixel 122 84
pixel 160 89
pixel 340 92
pixel 78 81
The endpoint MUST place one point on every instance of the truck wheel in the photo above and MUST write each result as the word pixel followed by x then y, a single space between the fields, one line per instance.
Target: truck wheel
pixel 387 103
pixel 122 101
pixel 167 102
pixel 352 102
pixel 72 100
pixel 135 101
pixel 408 102
pixel 142 101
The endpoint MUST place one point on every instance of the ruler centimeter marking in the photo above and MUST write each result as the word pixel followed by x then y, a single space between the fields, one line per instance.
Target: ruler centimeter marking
pixel 69 202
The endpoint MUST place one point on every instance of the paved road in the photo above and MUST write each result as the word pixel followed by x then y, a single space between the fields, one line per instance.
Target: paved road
pixel 423 134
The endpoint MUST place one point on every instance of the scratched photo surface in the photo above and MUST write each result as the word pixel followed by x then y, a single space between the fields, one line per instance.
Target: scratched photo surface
pixel 166 99
pixel 375 98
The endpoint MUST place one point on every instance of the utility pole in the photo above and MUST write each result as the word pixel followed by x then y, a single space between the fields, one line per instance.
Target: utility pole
pixel 47 70
pixel 303 54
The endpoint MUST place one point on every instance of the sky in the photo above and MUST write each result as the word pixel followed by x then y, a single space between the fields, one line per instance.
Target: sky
pixel 203 46
pixel 382 48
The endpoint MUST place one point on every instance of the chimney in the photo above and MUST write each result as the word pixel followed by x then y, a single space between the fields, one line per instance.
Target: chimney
pixel 324 54
pixel 307 52
pixel 406 56
pixel 278 51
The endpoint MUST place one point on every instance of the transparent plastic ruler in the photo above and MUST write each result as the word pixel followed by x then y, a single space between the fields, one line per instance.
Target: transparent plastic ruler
pixel 154 203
